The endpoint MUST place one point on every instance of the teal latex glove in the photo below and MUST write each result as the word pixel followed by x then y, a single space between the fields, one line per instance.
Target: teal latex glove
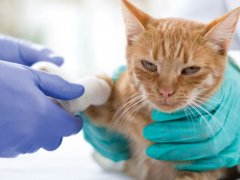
pixel 109 144
pixel 201 142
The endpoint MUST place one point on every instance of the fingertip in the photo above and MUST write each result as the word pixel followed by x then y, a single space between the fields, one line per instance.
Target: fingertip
pixel 53 146
pixel 73 127
pixel 155 133
pixel 77 91
pixel 145 132
pixel 156 152
pixel 56 59
pixel 56 87
pixel 71 91
pixel 149 152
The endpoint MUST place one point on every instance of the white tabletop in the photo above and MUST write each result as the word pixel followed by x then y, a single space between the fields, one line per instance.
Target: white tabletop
pixel 72 161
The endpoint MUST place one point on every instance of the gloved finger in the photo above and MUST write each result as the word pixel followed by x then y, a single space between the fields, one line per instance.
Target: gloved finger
pixel 53 145
pixel 56 87
pixel 26 53
pixel 117 153
pixel 228 158
pixel 104 140
pixel 32 53
pixel 192 151
pixel 8 153
pixel 111 145
pixel 63 123
pixel 107 140
pixel 193 130
pixel 101 133
pixel 26 145
pixel 21 145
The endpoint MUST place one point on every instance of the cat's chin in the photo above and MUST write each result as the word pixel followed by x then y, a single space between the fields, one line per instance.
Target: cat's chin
pixel 169 108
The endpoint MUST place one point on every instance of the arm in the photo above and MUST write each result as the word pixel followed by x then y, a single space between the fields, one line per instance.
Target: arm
pixel 24 52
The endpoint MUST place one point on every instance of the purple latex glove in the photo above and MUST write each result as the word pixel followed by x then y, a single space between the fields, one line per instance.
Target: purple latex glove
pixel 26 53
pixel 29 120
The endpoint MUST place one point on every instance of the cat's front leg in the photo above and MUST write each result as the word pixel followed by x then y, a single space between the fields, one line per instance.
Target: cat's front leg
pixel 102 114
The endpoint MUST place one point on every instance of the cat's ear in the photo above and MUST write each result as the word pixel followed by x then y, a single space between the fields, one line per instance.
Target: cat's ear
pixel 135 20
pixel 220 31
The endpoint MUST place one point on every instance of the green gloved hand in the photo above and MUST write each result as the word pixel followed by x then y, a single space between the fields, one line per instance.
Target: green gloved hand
pixel 201 138
pixel 109 144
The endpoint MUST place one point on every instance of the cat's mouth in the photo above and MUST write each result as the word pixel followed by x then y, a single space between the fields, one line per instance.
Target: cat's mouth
pixel 168 103
pixel 167 106
pixel 170 107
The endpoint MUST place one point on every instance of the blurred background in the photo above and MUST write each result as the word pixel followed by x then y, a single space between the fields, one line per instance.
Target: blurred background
pixel 90 35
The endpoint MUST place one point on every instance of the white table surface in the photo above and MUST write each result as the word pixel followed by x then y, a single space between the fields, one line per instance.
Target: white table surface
pixel 72 161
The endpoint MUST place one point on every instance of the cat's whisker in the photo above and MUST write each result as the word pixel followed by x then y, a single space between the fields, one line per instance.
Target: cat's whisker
pixel 129 102
pixel 206 121
pixel 125 111
pixel 122 110
pixel 134 112
pixel 187 114
pixel 131 111
pixel 216 120
pixel 125 119
pixel 190 113
pixel 127 98
pixel 220 104
pixel 217 101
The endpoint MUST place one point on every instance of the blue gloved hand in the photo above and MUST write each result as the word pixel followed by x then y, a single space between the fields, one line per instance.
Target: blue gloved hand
pixel 29 119
pixel 109 144
pixel 26 53
pixel 206 137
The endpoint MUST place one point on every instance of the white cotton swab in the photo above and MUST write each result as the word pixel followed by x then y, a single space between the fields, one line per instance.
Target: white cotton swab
pixel 97 91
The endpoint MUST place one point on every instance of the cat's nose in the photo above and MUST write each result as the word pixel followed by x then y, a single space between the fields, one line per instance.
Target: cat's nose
pixel 166 93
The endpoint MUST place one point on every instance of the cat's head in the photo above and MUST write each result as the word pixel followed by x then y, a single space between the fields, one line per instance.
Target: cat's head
pixel 175 61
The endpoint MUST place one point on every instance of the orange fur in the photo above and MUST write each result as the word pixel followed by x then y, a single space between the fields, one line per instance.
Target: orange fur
pixel 171 45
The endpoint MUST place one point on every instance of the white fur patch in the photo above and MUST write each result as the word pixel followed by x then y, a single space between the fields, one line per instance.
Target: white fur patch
pixel 209 81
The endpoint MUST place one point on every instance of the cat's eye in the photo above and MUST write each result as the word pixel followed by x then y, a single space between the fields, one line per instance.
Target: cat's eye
pixel 149 66
pixel 190 70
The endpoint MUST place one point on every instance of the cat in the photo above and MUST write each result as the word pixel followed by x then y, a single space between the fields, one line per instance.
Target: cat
pixel 169 62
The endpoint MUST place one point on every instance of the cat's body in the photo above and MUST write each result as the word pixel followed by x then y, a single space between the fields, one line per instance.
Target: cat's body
pixel 123 113
pixel 171 63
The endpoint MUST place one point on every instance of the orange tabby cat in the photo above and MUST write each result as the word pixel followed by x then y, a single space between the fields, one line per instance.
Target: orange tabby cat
pixel 161 56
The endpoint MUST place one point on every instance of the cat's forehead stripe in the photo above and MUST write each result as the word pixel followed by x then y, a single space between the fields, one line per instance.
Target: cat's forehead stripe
pixel 155 53
pixel 170 52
